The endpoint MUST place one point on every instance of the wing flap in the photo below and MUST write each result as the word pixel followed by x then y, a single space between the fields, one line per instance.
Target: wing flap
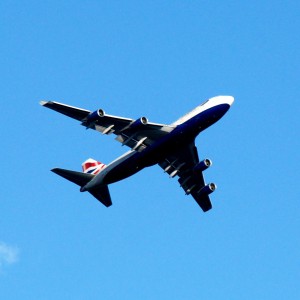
pixel 108 124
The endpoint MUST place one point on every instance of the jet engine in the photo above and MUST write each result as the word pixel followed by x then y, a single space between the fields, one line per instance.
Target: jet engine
pixel 202 166
pixel 208 189
pixel 94 116
pixel 139 123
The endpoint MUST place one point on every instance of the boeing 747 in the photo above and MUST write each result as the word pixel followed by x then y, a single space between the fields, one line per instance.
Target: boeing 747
pixel 172 147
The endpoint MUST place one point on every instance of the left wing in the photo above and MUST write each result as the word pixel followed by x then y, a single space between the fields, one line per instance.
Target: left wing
pixel 185 163
pixel 136 134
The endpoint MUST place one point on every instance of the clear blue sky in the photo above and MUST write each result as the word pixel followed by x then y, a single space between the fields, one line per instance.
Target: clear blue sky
pixel 158 59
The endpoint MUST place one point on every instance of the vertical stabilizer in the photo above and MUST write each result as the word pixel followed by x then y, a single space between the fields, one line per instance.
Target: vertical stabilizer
pixel 91 166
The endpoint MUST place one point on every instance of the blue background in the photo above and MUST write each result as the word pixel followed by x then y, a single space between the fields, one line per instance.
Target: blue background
pixel 157 59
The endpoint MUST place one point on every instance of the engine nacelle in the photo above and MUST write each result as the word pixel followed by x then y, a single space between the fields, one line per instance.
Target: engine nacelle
pixel 139 123
pixel 202 166
pixel 94 116
pixel 208 189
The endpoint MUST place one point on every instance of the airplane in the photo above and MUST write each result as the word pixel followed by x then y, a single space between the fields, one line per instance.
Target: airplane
pixel 172 147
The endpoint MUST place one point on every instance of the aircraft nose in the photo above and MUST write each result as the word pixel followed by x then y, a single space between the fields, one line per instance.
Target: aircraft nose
pixel 222 100
pixel 229 100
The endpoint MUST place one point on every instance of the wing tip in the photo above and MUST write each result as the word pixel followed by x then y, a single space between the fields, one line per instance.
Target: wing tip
pixel 47 103
pixel 43 103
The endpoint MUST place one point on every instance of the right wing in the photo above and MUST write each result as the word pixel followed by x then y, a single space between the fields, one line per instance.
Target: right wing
pixel 126 130
pixel 182 164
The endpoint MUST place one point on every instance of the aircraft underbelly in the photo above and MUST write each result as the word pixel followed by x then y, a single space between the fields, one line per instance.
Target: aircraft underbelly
pixel 148 157
pixel 171 143
pixel 122 170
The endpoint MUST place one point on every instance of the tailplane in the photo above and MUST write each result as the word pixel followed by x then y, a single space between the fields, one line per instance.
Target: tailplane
pixel 78 178
pixel 101 193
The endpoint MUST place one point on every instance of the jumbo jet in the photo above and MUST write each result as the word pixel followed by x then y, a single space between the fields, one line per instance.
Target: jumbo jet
pixel 172 147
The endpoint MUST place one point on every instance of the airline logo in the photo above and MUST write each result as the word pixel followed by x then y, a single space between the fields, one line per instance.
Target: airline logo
pixel 92 166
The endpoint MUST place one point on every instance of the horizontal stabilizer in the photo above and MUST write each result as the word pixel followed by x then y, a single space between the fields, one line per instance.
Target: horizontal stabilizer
pixel 78 178
pixel 102 194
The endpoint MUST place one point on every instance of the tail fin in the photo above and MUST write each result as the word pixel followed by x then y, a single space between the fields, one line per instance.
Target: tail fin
pixel 101 193
pixel 92 166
